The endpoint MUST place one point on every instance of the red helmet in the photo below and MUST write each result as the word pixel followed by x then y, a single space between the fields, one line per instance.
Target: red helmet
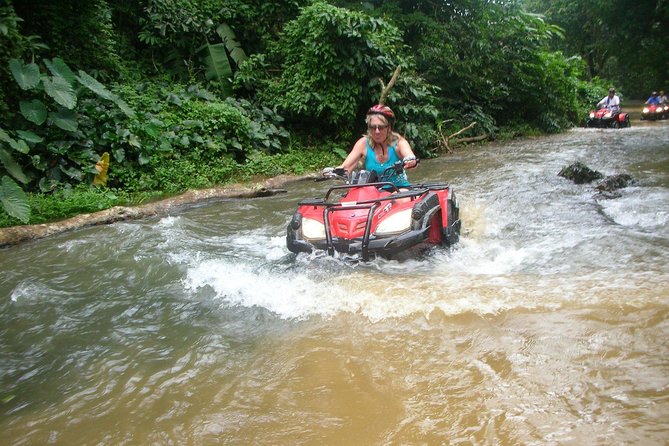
pixel 384 110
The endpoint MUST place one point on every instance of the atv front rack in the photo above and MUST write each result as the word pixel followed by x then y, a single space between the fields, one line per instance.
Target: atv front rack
pixel 370 205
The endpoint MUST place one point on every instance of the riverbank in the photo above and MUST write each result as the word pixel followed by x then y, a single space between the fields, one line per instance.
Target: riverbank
pixel 18 234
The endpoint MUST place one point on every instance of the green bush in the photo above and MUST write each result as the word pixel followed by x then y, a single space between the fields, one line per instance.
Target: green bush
pixel 328 57
pixel 69 202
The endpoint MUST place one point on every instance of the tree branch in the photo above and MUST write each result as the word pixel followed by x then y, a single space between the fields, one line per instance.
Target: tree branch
pixel 446 141
pixel 385 89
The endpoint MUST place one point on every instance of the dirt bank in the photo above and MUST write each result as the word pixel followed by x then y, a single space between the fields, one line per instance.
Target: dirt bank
pixel 18 234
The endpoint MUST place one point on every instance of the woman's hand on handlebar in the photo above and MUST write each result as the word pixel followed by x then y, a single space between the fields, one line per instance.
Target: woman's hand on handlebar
pixel 410 162
pixel 334 172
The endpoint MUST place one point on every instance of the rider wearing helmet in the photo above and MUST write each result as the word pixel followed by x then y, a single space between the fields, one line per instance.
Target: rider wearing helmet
pixel 611 101
pixel 381 147
pixel 654 99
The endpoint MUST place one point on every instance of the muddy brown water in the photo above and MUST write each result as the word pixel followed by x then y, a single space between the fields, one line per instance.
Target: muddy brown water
pixel 546 325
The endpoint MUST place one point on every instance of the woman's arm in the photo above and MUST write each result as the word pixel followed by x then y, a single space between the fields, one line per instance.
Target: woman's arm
pixel 358 153
pixel 404 150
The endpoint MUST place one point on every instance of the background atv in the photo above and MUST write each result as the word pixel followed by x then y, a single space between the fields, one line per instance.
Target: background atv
pixel 653 112
pixel 607 119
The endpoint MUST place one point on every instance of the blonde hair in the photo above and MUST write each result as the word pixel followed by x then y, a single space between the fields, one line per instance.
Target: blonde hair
pixel 392 136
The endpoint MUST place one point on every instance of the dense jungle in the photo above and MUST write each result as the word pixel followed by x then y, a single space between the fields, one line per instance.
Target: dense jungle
pixel 189 320
pixel 118 103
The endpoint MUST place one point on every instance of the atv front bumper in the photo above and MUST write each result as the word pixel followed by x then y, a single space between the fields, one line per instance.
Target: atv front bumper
pixel 599 123
pixel 377 246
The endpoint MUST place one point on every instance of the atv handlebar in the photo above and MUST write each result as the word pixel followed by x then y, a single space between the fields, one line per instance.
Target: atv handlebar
pixel 397 168
pixel 331 172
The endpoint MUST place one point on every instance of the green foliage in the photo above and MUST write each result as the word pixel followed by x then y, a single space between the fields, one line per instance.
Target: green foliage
pixel 328 57
pixel 27 76
pixel 172 176
pixel 183 130
pixel 184 34
pixel 13 45
pixel 490 61
pixel 14 200
pixel 69 202
pixel 219 68
pixel 170 23
pixel 50 147
pixel 312 62
pixel 622 41
pixel 80 30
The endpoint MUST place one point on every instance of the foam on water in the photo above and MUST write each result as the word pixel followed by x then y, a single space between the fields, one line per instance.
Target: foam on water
pixel 289 295
pixel 530 239
pixel 499 264
pixel 642 208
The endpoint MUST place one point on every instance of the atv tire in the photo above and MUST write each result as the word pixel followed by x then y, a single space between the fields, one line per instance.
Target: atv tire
pixel 451 233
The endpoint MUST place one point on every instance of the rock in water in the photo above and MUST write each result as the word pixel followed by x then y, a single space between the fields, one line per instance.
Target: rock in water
pixel 579 173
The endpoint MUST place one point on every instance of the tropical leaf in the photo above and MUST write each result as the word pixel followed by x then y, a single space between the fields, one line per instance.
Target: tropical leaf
pixel 96 87
pixel 14 200
pixel 119 154
pixel 29 136
pixel 65 119
pixel 71 172
pixel 26 75
pixel 12 167
pixel 218 65
pixel 4 136
pixel 60 90
pixel 125 108
pixel 92 84
pixel 231 44
pixel 101 168
pixel 34 111
pixel 20 146
pixel 58 67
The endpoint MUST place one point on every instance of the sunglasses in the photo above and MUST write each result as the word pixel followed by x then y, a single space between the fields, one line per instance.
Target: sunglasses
pixel 377 127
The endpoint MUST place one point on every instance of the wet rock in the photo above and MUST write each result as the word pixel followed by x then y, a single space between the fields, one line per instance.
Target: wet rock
pixel 579 173
pixel 607 195
pixel 607 188
pixel 613 182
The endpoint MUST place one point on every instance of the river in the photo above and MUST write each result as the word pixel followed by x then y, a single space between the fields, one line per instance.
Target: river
pixel 548 324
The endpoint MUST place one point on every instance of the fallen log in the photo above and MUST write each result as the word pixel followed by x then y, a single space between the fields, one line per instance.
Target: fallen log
pixel 19 234
pixel 447 142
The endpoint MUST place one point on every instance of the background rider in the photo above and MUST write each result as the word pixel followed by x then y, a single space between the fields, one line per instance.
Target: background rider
pixel 611 101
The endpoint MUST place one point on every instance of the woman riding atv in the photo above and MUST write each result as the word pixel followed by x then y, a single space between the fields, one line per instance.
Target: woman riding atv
pixel 381 147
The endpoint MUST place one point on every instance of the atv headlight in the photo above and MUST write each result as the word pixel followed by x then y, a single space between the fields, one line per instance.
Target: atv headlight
pixel 659 109
pixel 608 115
pixel 312 229
pixel 395 224
pixel 645 110
pixel 592 114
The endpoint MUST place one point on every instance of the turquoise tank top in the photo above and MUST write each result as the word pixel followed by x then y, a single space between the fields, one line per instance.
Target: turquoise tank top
pixel 372 164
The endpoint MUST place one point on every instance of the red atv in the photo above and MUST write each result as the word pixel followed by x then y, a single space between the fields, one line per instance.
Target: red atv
pixel 653 112
pixel 372 217
pixel 605 118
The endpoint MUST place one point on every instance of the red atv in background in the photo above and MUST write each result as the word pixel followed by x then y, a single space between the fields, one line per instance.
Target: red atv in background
pixel 607 119
pixel 654 112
